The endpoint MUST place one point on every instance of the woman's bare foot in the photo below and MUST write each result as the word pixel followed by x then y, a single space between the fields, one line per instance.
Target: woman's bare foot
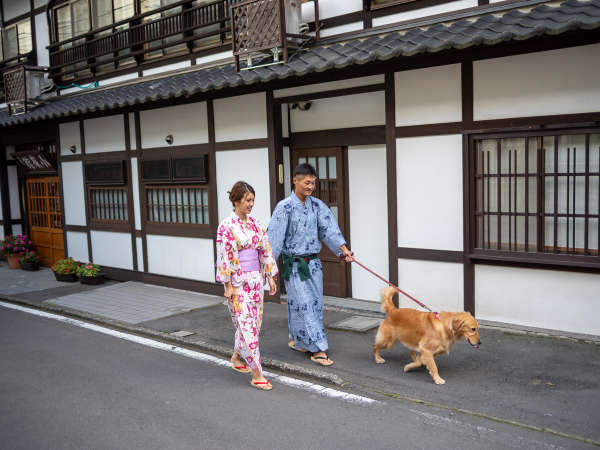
pixel 238 365
pixel 260 382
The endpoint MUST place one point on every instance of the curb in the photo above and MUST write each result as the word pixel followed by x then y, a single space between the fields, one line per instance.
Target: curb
pixel 205 346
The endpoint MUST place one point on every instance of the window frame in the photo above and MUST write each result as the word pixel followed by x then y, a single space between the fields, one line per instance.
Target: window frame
pixel 176 229
pixel 105 223
pixel 15 26
pixel 549 259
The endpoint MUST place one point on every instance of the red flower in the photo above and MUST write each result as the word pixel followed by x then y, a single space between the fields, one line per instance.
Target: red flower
pixel 66 270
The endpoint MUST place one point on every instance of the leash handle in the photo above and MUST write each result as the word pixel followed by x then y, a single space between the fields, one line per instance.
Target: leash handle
pixel 422 305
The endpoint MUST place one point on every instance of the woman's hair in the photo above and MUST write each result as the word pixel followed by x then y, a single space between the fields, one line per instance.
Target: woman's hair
pixel 305 169
pixel 238 191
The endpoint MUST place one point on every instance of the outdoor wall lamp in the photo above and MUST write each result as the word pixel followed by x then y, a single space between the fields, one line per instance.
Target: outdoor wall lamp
pixel 73 148
pixel 169 139
pixel 302 106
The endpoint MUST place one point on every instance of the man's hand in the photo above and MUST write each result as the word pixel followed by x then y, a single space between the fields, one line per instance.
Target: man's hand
pixel 346 255
pixel 272 286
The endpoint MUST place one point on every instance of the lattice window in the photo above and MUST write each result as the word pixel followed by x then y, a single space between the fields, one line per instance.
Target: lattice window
pixel 177 204
pixel 108 205
pixel 538 193
pixel 43 203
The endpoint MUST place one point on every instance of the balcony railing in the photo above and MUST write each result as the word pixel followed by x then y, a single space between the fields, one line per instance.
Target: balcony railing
pixel 131 38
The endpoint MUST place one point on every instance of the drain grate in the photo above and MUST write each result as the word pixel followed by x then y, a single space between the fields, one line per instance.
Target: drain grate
pixel 360 324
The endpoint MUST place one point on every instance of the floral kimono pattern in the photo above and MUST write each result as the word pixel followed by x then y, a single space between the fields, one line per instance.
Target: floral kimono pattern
pixel 246 307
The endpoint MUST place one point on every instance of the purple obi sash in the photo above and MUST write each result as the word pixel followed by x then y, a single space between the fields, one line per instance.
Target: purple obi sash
pixel 249 260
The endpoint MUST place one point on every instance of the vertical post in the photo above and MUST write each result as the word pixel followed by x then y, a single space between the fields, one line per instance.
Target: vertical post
pixel 5 198
pixel 275 157
pixel 142 193
pixel 86 199
pixel 468 188
pixel 213 206
pixel 392 185
pixel 130 209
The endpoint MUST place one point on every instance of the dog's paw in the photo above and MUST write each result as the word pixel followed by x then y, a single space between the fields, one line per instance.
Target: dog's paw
pixel 439 380
pixel 379 360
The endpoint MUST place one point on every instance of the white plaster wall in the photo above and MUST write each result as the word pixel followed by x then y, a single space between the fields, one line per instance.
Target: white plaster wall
pixel 38 3
pixel 429 177
pixel 181 257
pixel 132 131
pixel 69 135
pixel 287 173
pixel 73 193
pixel 104 134
pixel 540 298
pixel 42 40
pixel 358 110
pixel 14 8
pixel 241 117
pixel 77 246
pixel 135 186
pixel 284 121
pixel 439 285
pixel 167 68
pixel 187 123
pixel 431 95
pixel 251 166
pixel 424 12
pixel 330 8
pixel 206 60
pixel 341 29
pixel 537 84
pixel 13 192
pixel 368 218
pixel 109 81
pixel 112 249
pixel 140 254
pixel 330 85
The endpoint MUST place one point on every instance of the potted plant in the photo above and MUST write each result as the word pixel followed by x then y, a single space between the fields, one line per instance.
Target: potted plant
pixel 90 274
pixel 30 260
pixel 13 247
pixel 65 270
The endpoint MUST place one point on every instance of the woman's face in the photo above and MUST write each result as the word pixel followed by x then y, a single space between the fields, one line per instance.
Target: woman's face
pixel 246 204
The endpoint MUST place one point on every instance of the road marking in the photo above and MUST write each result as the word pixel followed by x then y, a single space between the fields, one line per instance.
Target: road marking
pixel 292 382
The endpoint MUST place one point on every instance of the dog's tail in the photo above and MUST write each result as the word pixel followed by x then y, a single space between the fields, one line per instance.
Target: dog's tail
pixel 387 303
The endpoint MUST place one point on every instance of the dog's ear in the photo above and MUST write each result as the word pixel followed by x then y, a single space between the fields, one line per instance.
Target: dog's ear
pixel 457 323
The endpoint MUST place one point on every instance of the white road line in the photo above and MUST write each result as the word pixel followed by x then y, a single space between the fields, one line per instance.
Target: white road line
pixel 292 382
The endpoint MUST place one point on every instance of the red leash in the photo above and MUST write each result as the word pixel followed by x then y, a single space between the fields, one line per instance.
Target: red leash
pixel 422 305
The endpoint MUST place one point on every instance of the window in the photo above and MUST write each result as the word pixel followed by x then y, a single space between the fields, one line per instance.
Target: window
pixel 108 204
pixel 175 193
pixel 162 26
pixel 537 193
pixel 177 204
pixel 16 40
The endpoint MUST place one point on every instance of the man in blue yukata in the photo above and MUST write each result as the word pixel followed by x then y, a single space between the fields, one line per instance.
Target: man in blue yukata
pixel 298 225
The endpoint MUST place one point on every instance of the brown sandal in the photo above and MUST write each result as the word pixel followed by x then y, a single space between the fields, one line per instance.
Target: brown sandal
pixel 292 345
pixel 321 360
pixel 262 385
pixel 241 369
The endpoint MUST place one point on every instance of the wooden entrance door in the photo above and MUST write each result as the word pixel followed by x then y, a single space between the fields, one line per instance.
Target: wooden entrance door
pixel 45 223
pixel 329 188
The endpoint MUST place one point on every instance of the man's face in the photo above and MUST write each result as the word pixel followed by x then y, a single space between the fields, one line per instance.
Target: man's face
pixel 304 185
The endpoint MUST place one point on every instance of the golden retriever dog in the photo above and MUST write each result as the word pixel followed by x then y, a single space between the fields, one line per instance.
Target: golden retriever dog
pixel 423 333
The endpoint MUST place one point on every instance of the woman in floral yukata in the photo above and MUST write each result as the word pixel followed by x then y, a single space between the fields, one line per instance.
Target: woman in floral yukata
pixel 244 262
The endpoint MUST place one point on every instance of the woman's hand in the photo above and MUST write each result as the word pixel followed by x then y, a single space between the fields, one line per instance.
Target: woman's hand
pixel 229 291
pixel 272 286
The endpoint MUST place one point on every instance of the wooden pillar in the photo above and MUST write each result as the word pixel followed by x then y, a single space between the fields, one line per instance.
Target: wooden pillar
pixel 4 193
pixel 468 225
pixel 392 185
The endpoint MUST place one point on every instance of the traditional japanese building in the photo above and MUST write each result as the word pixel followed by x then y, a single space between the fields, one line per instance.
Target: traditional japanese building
pixel 458 142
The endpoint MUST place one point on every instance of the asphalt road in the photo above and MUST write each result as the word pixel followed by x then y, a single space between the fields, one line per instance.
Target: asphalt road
pixel 63 387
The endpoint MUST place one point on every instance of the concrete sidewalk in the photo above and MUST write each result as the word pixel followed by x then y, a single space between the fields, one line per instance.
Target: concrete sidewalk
pixel 545 383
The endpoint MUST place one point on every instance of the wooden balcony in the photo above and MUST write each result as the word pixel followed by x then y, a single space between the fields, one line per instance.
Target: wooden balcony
pixel 179 24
